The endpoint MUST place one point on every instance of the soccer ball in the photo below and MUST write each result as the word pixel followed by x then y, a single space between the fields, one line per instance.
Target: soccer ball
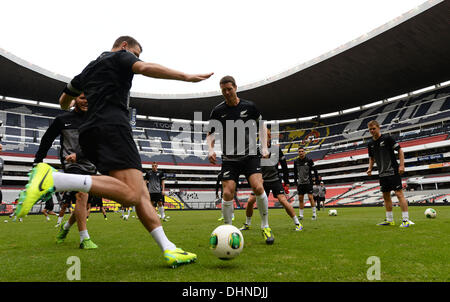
pixel 125 217
pixel 430 213
pixel 226 242
pixel 332 213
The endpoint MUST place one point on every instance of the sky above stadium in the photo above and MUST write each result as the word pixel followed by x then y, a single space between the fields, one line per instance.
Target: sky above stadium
pixel 251 40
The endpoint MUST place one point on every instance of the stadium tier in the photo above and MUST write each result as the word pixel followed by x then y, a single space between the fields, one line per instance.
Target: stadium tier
pixel 337 144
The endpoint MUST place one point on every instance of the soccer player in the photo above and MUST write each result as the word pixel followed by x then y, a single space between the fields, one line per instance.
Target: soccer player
pixel 381 151
pixel 303 169
pixel 321 195
pixel 66 126
pixel 106 139
pixel 67 198
pixel 95 201
pixel 156 187
pixel 49 205
pixel 272 182
pixel 235 115
pixel 316 194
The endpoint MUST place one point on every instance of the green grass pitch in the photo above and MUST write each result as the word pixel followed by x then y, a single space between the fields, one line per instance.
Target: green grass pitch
pixel 329 249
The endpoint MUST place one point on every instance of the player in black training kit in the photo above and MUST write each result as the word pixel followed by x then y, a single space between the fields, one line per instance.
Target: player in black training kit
pixel 156 187
pixel 240 156
pixel 107 141
pixel 66 126
pixel 381 150
pixel 303 169
pixel 272 182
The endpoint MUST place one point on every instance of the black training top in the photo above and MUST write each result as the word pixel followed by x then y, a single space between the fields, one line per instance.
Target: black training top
pixel 154 181
pixel 106 82
pixel 245 114
pixel 66 125
pixel 271 173
pixel 303 169
pixel 382 150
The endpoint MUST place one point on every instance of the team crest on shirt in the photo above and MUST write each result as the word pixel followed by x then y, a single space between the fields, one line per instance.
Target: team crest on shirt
pixel 244 113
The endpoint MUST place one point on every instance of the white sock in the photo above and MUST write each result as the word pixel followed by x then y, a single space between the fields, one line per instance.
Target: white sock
pixel 314 211
pixel 48 218
pixel 60 219
pixel 67 226
pixel 295 218
pixel 161 212
pixel 405 216
pixel 161 239
pixel 389 216
pixel 263 207
pixel 227 211
pixel 248 221
pixel 84 235
pixel 71 182
pixel 301 213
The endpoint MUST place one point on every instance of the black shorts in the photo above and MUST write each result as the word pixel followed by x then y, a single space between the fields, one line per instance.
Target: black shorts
pixel 49 205
pixel 110 147
pixel 275 186
pixel 231 170
pixel 305 189
pixel 321 198
pixel 69 197
pixel 156 197
pixel 391 183
pixel 95 201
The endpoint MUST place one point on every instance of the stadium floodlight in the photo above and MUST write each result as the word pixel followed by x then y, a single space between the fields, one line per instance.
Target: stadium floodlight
pixel 397 97
pixel 159 119
pixel 329 114
pixel 307 118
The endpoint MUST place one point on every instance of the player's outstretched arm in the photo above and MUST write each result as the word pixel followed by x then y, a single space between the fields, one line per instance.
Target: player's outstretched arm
pixel 154 70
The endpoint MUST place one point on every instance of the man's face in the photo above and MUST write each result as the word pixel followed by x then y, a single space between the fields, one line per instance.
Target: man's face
pixel 301 153
pixel 228 91
pixel 154 166
pixel 374 130
pixel 81 103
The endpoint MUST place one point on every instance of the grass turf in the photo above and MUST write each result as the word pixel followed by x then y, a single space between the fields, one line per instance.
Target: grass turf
pixel 329 249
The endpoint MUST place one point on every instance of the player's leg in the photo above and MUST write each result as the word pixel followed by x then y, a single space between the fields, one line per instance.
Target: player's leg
pixel 228 189
pixel 301 204
pixel 62 211
pixel 404 207
pixel 313 205
pixel 249 212
pixel 290 211
pixel 256 182
pixel 102 208
pixel 388 207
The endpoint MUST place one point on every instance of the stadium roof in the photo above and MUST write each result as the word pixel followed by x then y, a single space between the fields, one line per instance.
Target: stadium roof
pixel 406 54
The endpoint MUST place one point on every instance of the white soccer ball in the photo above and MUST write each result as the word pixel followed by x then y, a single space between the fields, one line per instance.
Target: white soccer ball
pixel 226 242
pixel 125 217
pixel 332 212
pixel 5 221
pixel 430 213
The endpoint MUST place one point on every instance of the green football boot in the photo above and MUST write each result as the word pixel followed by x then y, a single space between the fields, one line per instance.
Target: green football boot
pixel 177 257
pixel 39 184
pixel 88 244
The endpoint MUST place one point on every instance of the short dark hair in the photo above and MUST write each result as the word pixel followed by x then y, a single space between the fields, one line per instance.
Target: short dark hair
pixel 130 40
pixel 300 148
pixel 228 79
